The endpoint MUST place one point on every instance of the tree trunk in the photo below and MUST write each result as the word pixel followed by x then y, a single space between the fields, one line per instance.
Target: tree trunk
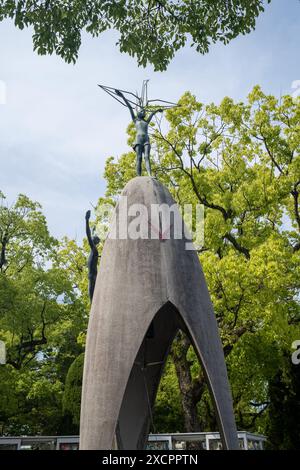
pixel 191 390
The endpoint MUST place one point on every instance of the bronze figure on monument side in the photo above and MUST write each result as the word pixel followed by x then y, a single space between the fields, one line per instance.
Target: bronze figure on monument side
pixel 146 291
pixel 94 241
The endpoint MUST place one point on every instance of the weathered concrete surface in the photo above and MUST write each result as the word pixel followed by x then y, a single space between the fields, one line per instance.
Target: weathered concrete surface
pixel 140 282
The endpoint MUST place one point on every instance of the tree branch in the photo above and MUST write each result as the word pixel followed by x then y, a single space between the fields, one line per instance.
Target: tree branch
pixel 236 245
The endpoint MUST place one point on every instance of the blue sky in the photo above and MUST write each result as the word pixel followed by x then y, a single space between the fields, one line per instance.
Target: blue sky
pixel 57 127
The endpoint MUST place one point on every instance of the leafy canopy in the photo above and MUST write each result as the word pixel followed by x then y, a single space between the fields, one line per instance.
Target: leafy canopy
pixel 150 30
pixel 42 313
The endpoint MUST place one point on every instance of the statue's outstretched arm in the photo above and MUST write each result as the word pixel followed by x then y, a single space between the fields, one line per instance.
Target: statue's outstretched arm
pixel 120 94
pixel 88 230
pixel 153 113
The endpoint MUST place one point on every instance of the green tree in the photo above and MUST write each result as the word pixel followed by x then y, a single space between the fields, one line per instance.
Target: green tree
pixel 41 316
pixel 152 31
pixel 241 161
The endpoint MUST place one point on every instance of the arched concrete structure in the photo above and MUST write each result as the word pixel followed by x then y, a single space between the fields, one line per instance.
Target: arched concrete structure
pixel 145 283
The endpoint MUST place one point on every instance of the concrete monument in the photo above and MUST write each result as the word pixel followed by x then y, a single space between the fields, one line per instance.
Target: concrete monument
pixel 146 290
